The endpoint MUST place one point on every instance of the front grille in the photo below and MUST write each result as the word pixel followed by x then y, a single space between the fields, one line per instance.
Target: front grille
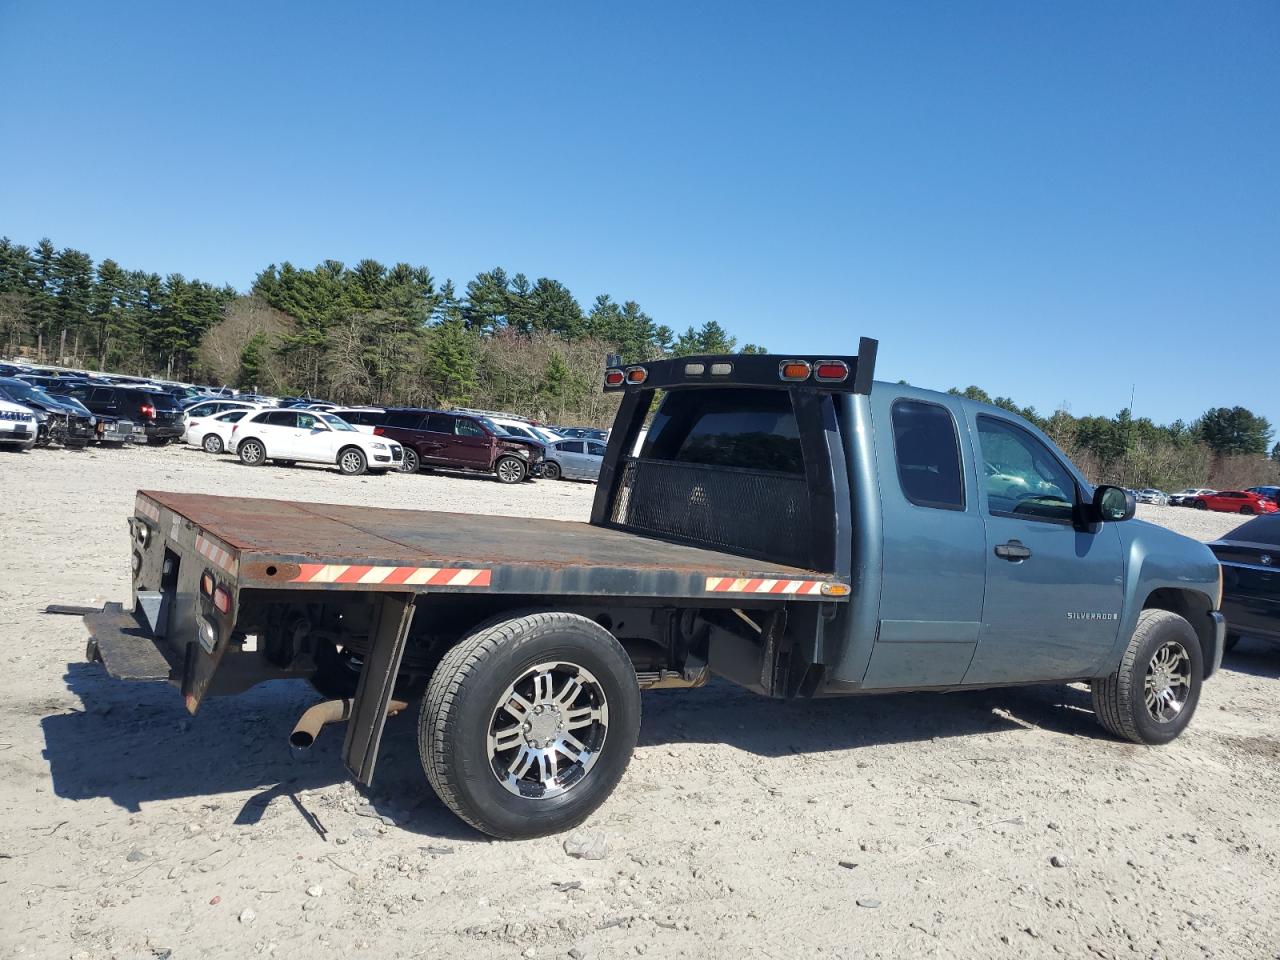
pixel 754 513
pixel 397 453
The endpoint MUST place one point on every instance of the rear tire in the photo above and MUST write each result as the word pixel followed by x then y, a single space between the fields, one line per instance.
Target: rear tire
pixel 1201 505
pixel 252 453
pixel 1247 511
pixel 551 470
pixel 352 461
pixel 478 699
pixel 410 463
pixel 212 443
pixel 1153 694
pixel 510 470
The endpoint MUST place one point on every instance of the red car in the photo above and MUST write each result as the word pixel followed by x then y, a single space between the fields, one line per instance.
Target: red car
pixel 1235 501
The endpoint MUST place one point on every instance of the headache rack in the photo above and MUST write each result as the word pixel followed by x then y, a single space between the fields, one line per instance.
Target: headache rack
pixel 781 512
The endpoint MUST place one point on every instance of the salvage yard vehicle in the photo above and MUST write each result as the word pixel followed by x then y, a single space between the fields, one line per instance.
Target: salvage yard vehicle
pixel 57 420
pixel 786 525
pixel 213 434
pixel 17 426
pixel 574 460
pixel 289 436
pixel 1234 501
pixel 1250 558
pixel 437 438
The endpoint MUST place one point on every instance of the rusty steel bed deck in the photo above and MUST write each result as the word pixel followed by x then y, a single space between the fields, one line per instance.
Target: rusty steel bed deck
pixel 282 544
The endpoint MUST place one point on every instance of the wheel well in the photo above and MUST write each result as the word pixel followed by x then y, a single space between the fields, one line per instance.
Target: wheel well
pixel 1193 607
pixel 350 446
pixel 243 440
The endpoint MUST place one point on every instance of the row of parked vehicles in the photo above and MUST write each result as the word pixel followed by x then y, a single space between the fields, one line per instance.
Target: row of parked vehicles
pixel 41 406
pixel 1250 501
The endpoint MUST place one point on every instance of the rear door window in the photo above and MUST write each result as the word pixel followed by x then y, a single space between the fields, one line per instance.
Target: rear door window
pixel 405 420
pixel 749 429
pixel 571 446
pixel 595 449
pixel 439 423
pixel 928 453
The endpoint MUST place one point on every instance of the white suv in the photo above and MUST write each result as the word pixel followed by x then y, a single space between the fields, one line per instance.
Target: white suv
pixel 308 436
pixel 17 425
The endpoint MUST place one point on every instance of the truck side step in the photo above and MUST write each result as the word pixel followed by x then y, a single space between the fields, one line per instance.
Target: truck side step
pixel 125 645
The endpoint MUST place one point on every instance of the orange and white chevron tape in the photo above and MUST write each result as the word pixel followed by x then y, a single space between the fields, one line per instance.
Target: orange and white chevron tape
pixel 761 585
pixel 393 576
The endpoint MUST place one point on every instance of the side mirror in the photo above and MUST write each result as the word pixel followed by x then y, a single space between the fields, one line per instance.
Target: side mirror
pixel 1112 504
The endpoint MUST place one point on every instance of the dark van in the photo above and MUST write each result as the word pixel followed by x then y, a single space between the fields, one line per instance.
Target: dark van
pixel 436 438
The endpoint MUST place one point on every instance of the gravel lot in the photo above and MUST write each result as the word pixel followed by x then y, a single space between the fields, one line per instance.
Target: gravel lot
pixel 991 824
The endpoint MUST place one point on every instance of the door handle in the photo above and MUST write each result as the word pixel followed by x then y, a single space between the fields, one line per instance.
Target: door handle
pixel 1014 551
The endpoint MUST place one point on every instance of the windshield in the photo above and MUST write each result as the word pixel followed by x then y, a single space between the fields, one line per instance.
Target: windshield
pixel 336 422
pixel 1258 530
pixel 22 390
pixel 545 434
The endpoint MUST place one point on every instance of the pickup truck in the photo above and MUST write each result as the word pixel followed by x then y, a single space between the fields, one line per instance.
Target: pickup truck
pixel 786 524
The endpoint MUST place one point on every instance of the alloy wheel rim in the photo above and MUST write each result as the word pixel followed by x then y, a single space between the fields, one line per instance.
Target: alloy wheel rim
pixel 251 452
pixel 351 462
pixel 1167 685
pixel 410 463
pixel 211 444
pixel 548 730
pixel 509 470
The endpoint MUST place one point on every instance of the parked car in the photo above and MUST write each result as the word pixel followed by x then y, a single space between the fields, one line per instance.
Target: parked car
pixel 1250 558
pixel 583 433
pixel 213 434
pixel 574 460
pixel 455 441
pixel 108 431
pixel 17 426
pixel 1234 501
pixel 57 420
pixel 794 527
pixel 197 414
pixel 1184 498
pixel 159 413
pixel 301 436
pixel 1151 495
pixel 1271 493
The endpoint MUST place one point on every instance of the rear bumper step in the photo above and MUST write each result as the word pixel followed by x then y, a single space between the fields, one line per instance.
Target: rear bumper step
pixel 122 642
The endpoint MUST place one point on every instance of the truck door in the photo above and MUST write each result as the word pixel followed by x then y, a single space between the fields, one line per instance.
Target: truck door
pixel 1054 592
pixel 934 546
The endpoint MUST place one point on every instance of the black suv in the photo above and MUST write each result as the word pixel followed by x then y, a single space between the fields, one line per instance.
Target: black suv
pixel 438 438
pixel 158 412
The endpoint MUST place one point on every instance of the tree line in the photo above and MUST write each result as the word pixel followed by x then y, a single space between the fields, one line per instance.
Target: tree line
pixel 366 333
pixel 1225 448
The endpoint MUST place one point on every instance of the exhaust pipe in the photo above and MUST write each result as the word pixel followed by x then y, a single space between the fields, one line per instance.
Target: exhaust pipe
pixel 314 718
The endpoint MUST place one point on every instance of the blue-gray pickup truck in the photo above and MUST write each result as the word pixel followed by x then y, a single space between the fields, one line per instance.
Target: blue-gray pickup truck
pixel 783 522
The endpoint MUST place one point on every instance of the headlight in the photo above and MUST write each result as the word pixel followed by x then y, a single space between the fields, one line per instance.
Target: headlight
pixel 522 452
pixel 93 421
pixel 378 446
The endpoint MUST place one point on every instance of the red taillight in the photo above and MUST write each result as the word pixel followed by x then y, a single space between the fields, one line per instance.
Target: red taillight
pixel 377 432
pixel 831 371
pixel 222 600
pixel 234 429
pixel 614 378
pixel 148 410
pixel 637 374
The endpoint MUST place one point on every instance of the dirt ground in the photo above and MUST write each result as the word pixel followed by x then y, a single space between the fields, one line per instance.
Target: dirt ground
pixel 991 824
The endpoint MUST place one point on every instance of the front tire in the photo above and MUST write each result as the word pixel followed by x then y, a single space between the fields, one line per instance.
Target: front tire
pixel 1152 696
pixel 1201 505
pixel 510 470
pixel 252 453
pixel 410 463
pixel 528 724
pixel 1247 511
pixel 551 470
pixel 212 443
pixel 352 461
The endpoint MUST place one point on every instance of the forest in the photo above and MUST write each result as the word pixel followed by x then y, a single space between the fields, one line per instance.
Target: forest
pixel 370 333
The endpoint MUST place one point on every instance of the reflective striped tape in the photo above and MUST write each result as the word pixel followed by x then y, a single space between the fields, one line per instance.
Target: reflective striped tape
pixel 747 585
pixel 147 509
pixel 393 576
pixel 216 554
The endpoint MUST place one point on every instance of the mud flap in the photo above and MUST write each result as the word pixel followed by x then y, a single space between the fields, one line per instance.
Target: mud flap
pixel 377 682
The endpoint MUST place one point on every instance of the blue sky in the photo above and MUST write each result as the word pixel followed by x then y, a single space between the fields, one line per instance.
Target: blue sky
pixel 1054 201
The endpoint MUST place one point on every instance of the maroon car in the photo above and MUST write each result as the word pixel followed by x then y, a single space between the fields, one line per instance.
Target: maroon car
pixel 437 438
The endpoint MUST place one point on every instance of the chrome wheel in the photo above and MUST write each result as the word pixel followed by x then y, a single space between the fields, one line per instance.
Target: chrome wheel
pixel 1168 682
pixel 213 443
pixel 548 730
pixel 410 462
pixel 251 452
pixel 352 462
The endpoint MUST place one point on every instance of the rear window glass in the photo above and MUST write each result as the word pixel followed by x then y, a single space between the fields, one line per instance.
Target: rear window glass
pixel 928 452
pixel 1258 530
pixel 162 401
pixel 751 429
